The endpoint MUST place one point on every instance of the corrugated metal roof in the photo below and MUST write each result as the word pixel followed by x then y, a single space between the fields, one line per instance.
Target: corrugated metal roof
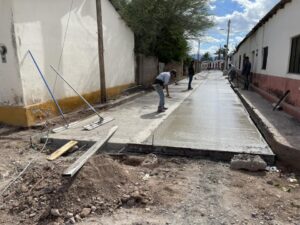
pixel 268 16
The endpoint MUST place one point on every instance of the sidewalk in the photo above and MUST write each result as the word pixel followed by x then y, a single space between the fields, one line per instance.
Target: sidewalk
pixel 281 131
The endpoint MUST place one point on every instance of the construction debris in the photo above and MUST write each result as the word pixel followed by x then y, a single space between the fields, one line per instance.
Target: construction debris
pixel 248 162
pixel 72 170
pixel 62 150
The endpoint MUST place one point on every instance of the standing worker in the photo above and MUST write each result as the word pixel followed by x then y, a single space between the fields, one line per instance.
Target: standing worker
pixel 162 81
pixel 191 71
pixel 246 72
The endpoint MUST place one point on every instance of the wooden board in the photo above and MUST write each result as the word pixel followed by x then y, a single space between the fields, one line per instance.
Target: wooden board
pixel 73 169
pixel 62 150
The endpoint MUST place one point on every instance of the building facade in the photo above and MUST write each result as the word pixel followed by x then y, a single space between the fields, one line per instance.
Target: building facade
pixel 62 34
pixel 273 47
pixel 213 65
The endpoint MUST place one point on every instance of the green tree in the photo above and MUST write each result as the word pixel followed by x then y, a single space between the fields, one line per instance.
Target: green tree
pixel 221 52
pixel 206 57
pixel 162 26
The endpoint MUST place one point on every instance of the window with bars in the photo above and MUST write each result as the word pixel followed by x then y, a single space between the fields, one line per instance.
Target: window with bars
pixel 265 58
pixel 295 56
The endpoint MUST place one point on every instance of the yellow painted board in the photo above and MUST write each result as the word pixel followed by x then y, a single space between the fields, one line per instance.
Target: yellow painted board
pixel 62 150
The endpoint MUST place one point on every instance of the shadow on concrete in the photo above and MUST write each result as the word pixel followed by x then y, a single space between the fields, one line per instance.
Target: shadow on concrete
pixel 151 116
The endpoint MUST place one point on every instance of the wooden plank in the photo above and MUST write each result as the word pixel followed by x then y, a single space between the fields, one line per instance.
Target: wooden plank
pixel 73 169
pixel 62 150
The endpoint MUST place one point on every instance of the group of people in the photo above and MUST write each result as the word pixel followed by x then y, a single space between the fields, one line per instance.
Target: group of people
pixel 246 72
pixel 162 81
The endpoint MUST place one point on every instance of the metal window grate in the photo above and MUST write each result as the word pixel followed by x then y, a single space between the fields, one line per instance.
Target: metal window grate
pixel 265 58
pixel 295 56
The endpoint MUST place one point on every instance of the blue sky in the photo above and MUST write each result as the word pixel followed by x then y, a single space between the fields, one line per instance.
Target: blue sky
pixel 244 14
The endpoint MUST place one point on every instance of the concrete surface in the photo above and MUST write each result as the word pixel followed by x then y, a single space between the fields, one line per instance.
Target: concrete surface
pixel 212 118
pixel 208 121
pixel 136 119
pixel 280 130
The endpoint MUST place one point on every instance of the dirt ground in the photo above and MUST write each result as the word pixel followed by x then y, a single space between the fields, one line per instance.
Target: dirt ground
pixel 138 190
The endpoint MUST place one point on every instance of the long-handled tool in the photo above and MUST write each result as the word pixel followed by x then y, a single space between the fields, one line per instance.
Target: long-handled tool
pixel 46 83
pixel 101 121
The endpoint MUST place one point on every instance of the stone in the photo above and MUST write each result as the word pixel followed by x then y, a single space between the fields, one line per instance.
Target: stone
pixel 55 212
pixel 85 212
pixel 248 162
pixel 72 220
pixel 24 188
pixel 69 215
pixel 32 215
pixel 78 218
pixel 150 161
pixel 93 208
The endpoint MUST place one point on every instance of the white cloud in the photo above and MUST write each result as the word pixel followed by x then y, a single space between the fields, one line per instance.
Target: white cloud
pixel 245 20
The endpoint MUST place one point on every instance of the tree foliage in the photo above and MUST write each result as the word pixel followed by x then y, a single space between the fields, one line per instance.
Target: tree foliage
pixel 206 57
pixel 162 26
pixel 221 52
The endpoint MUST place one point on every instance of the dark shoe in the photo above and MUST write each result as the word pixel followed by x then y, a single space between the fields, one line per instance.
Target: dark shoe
pixel 160 110
pixel 164 108
pixel 190 89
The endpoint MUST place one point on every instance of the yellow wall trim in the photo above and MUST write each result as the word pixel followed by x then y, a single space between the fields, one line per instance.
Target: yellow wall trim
pixel 30 115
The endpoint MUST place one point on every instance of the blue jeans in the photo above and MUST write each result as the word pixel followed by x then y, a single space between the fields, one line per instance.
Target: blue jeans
pixel 159 89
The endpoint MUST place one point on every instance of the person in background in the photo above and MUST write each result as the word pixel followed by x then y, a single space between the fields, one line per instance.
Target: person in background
pixel 232 72
pixel 191 72
pixel 246 72
pixel 162 81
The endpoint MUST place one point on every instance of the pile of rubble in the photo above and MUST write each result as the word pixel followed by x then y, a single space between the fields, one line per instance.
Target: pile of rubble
pixel 43 196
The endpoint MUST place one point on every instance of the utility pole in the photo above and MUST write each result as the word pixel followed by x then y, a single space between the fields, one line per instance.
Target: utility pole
pixel 227 46
pixel 101 52
pixel 198 63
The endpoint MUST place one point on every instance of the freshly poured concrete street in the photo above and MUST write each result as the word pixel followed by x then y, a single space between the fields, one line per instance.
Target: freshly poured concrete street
pixel 212 118
pixel 206 121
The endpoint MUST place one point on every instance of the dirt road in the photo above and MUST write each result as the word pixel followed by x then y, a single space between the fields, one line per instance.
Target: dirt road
pixel 123 191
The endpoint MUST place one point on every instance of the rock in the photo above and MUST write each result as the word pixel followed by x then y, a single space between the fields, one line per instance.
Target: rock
pixel 292 180
pixel 24 188
pixel 248 162
pixel 254 215
pixel 93 208
pixel 72 220
pixel 150 161
pixel 69 215
pixel 78 218
pixel 55 212
pixel 146 177
pixel 32 215
pixel 85 212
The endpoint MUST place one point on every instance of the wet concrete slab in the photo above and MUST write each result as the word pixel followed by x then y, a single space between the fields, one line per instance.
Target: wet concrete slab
pixel 211 119
pixel 136 119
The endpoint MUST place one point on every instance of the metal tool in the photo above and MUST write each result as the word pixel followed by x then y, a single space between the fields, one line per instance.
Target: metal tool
pixel 46 83
pixel 95 124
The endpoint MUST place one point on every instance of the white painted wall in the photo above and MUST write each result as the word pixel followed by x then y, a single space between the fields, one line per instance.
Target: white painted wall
pixel 119 48
pixel 277 34
pixel 40 25
pixel 10 82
